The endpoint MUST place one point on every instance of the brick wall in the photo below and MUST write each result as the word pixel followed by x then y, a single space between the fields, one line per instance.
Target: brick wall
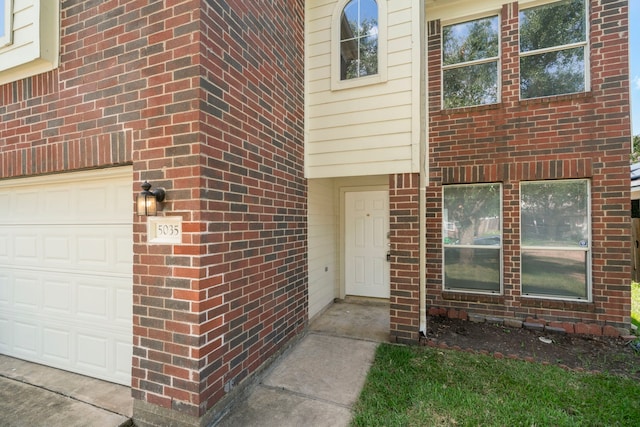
pixel 213 310
pixel 254 191
pixel 205 99
pixel 404 237
pixel 584 135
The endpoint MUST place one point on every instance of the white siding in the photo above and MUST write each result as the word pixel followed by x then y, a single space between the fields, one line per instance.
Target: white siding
pixel 35 40
pixel 369 129
pixel 323 245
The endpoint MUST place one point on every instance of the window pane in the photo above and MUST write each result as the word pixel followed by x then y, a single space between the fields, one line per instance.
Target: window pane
pixel 555 213
pixel 2 18
pixel 350 20
pixel 471 218
pixel 359 39
pixel 554 273
pixel 471 85
pixel 555 24
pixel 471 212
pixel 368 56
pixel 369 12
pixel 470 41
pixel 552 73
pixel 472 269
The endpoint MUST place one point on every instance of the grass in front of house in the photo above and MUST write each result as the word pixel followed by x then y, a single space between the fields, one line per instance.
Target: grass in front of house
pixel 635 303
pixel 423 386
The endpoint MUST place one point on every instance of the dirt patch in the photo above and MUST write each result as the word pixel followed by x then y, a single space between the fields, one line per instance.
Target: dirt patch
pixel 590 353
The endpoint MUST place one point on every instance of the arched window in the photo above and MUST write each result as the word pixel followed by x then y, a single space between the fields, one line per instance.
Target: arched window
pixel 5 22
pixel 359 34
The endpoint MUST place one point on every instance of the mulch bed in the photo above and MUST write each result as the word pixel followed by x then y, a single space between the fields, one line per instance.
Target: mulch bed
pixel 572 351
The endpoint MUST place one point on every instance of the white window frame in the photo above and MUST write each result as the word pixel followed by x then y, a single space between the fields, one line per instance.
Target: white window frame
pixel 381 77
pixel 36 49
pixel 450 226
pixel 496 59
pixel 585 45
pixel 587 249
pixel 6 38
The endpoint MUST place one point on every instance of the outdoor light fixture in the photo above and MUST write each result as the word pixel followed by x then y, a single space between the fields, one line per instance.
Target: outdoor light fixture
pixel 147 201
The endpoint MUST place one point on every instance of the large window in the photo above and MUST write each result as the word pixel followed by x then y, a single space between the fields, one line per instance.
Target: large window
pixel 472 237
pixel 470 52
pixel 555 243
pixel 553 49
pixel 5 22
pixel 359 39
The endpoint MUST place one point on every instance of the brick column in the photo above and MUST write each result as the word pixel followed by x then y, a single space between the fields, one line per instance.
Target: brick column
pixel 405 257
pixel 210 312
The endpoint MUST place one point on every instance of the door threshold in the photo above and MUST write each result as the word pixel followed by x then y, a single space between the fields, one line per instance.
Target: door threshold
pixel 355 299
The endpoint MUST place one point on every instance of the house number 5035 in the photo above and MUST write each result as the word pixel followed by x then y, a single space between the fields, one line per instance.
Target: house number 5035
pixel 167 230
pixel 164 230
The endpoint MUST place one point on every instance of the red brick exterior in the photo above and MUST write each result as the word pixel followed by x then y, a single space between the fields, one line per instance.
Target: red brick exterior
pixel 206 100
pixel 585 135
pixel 404 226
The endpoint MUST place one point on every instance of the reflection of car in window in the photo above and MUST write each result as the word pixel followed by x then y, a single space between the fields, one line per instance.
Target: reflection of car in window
pixel 488 240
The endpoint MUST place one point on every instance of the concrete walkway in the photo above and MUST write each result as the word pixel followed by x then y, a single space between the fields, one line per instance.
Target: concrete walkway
pixel 34 395
pixel 319 381
pixel 315 384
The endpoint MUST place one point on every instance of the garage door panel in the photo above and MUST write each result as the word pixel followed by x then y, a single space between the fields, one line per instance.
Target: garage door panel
pixel 92 251
pixel 25 339
pixel 123 306
pixel 58 296
pixel 4 247
pixel 57 249
pixel 91 351
pixel 27 295
pixel 5 288
pixel 66 252
pixel 57 203
pixel 25 204
pixel 5 335
pixel 56 345
pixel 26 248
pixel 92 301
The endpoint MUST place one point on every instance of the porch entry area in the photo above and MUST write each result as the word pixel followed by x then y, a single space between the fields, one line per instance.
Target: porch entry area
pixel 348 241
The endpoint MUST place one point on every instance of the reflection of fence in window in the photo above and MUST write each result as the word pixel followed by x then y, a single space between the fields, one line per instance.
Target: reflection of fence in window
pixel 488 227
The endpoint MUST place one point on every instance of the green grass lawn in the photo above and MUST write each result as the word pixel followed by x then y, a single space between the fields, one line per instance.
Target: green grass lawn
pixel 424 386
pixel 635 303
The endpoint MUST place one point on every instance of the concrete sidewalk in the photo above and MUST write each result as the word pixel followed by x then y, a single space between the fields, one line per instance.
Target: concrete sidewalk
pixel 315 383
pixel 34 395
pixel 318 382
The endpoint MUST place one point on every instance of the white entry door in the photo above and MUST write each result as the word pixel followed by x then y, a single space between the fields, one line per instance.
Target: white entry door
pixel 366 243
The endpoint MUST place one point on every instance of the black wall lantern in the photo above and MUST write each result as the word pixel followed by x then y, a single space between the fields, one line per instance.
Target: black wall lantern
pixel 147 201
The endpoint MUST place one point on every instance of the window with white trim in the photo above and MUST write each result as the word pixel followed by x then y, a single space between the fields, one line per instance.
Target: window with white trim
pixel 555 239
pixel 33 46
pixel 553 49
pixel 472 237
pixel 470 57
pixel 358 43
pixel 359 39
pixel 5 22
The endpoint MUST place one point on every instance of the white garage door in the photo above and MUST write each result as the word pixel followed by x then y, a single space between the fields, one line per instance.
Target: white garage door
pixel 66 271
